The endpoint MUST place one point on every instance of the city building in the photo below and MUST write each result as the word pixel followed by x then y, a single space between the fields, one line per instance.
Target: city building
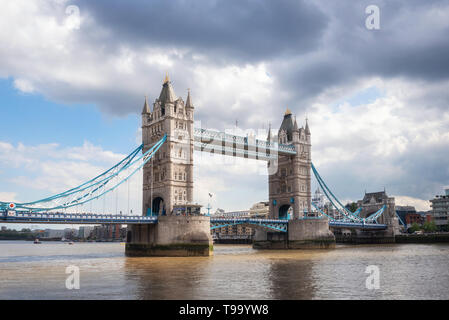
pixel 53 234
pixel 85 232
pixel 408 216
pixel 70 233
pixel 260 210
pixel 318 199
pixel 108 232
pixel 440 210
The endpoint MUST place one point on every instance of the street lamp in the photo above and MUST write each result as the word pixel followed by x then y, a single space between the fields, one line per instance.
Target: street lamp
pixel 208 205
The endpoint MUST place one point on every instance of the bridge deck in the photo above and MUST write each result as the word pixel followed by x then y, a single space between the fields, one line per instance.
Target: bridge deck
pixel 75 218
pixel 216 222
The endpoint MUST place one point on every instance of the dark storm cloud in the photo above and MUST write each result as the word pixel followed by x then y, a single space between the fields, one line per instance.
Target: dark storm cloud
pixel 239 30
pixel 411 44
pixel 309 46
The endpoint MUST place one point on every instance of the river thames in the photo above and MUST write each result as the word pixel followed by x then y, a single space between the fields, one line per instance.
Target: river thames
pixel 407 271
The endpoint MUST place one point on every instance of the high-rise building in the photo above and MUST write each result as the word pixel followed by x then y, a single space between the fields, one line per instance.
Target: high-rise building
pixel 440 210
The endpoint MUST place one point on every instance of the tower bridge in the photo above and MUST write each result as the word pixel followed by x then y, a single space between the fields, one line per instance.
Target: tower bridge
pixel 171 224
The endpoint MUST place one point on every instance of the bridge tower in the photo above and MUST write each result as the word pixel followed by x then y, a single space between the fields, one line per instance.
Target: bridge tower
pixel 372 202
pixel 168 179
pixel 289 186
pixel 290 194
pixel 168 183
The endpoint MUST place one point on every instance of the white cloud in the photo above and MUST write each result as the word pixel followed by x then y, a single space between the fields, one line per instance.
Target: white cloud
pixel 371 143
pixel 51 167
pixel 419 204
pixel 250 86
pixel 8 196
pixel 23 85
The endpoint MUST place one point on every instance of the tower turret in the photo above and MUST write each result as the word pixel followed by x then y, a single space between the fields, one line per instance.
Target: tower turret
pixel 295 133
pixel 307 128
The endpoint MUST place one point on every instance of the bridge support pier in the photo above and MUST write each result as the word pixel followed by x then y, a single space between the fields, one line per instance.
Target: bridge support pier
pixel 302 234
pixel 365 236
pixel 172 236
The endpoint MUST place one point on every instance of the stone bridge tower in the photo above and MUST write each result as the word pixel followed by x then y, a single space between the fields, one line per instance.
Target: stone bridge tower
pixel 289 186
pixel 168 177
pixel 290 194
pixel 168 184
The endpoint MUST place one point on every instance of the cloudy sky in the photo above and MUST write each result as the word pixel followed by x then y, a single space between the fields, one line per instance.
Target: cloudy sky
pixel 73 75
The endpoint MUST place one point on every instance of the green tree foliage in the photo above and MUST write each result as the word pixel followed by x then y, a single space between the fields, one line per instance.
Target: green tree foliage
pixel 430 226
pixel 352 206
pixel 414 227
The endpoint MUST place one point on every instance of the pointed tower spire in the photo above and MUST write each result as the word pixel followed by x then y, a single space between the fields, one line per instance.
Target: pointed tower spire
pixel 189 103
pixel 146 108
pixel 167 92
pixel 295 126
pixel 307 127
pixel 269 132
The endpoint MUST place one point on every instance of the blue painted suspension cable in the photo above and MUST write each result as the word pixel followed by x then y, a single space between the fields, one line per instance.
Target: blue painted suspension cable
pixel 322 211
pixel 327 195
pixel 77 189
pixel 106 180
pixel 147 156
pixel 318 177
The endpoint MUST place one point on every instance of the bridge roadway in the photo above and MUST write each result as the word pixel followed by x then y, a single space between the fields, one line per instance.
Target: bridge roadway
pixel 280 225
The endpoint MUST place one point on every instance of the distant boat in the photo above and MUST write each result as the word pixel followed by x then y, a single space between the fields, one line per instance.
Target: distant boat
pixel 71 242
pixel 37 241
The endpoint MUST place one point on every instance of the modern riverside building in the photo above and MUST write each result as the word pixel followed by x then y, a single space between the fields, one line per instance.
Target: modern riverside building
pixel 440 210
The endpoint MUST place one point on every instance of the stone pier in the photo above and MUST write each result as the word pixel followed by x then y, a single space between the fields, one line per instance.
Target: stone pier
pixel 302 234
pixel 172 236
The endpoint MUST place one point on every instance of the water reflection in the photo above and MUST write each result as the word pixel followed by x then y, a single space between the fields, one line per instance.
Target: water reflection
pixel 234 272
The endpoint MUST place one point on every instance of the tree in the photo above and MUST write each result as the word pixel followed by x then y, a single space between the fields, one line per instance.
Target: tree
pixel 351 206
pixel 430 226
pixel 414 227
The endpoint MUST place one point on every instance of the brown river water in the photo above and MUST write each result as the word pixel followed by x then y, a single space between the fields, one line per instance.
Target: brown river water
pixel 406 271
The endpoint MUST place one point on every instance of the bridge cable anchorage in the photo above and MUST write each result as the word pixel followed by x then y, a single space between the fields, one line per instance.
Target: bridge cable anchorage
pixel 95 188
